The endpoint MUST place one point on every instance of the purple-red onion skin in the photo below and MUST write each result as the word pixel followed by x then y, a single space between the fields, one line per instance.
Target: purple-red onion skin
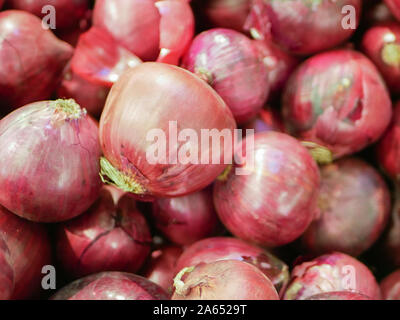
pixel 390 286
pixel 269 119
pixel 394 6
pixel 337 99
pixel 6 272
pixel 111 236
pixel 354 205
pixel 149 97
pixel 53 157
pixel 232 65
pixel 111 286
pixel 187 219
pixel 275 201
pixel 303 27
pixel 331 272
pixel 161 268
pixel 41 58
pixel 339 295
pixel 225 248
pixel 225 280
pixel 29 248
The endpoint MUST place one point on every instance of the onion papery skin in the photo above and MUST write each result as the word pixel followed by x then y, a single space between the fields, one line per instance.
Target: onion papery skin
pixel 30 251
pixel 331 272
pixel 41 60
pixel 354 205
pixel 382 45
pixel 269 119
pixel 148 97
pixel 161 267
pixel 294 24
pixel 187 219
pixel 277 197
pixel 337 99
pixel 90 96
pixel 111 236
pixel 339 295
pixel 225 280
pixel 394 6
pixel 232 65
pixel 6 272
pixel 111 286
pixel 53 151
pixel 390 286
pixel 68 13
pixel 225 248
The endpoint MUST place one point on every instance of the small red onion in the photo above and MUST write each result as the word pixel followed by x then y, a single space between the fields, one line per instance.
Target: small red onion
pixel 162 265
pixel 277 195
pixel 301 26
pixel 339 295
pixel 52 150
pixel 382 45
pixel 33 76
pixel 111 236
pixel 224 248
pixel 338 100
pixel 6 272
pixel 268 119
pixel 390 286
pixel 331 272
pixel 186 219
pixel 394 6
pixel 153 96
pixel 223 280
pixel 99 59
pixel 354 204
pixel 30 250
pixel 232 65
pixel 111 286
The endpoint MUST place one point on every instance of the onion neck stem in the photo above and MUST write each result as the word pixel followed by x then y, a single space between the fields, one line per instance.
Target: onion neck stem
pixel 178 283
pixel 224 175
pixel 69 107
pixel 321 155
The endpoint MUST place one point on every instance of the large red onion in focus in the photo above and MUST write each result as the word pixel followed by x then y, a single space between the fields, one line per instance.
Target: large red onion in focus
pixel 274 200
pixel 187 219
pixel 331 272
pixel 68 13
pixel 223 280
pixel 301 26
pixel 153 98
pixel 232 65
pixel 30 251
pixel 6 272
pixel 111 286
pixel 52 150
pixel 32 59
pixel 224 248
pixel 382 45
pixel 339 295
pixel 337 99
pixel 161 267
pixel 394 6
pixel 111 236
pixel 390 286
pixel 354 204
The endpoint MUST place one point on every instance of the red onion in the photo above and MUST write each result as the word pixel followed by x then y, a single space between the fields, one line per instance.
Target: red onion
pixel 232 65
pixel 186 219
pixel 52 150
pixel 111 286
pixel 354 204
pixel 41 58
pixel 375 12
pixel 153 96
pixel 90 96
pixel 267 120
pixel 224 248
pixel 223 280
pixel 162 265
pixel 277 195
pixel 99 59
pixel 6 272
pixel 381 44
pixel 331 272
pixel 394 6
pixel 147 28
pixel 112 236
pixel 390 286
pixel 337 99
pixel 339 295
pixel 29 249
pixel 1 3
pixel 68 13
pixel 301 26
